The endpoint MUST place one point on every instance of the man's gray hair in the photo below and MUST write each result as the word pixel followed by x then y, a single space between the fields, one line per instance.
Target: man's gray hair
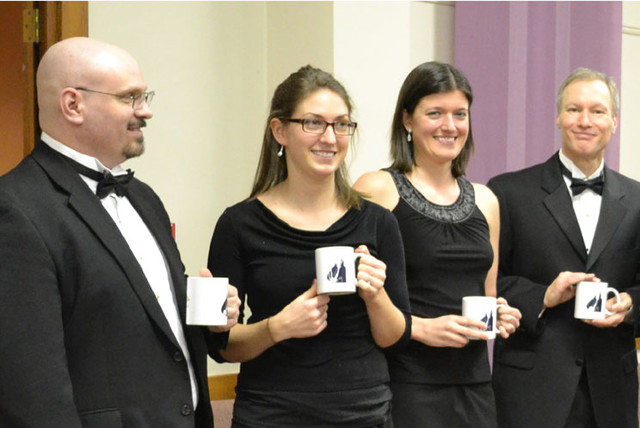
pixel 583 73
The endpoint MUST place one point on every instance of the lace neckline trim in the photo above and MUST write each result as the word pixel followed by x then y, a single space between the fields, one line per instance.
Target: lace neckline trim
pixel 457 212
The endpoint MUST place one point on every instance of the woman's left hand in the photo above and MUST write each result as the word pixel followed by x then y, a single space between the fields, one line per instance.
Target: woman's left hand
pixel 371 274
pixel 508 318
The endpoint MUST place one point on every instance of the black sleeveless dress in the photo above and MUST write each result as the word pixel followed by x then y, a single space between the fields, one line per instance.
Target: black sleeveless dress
pixel 448 254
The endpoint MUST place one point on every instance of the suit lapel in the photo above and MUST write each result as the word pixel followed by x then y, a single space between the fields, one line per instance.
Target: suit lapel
pixel 558 202
pixel 90 210
pixel 612 210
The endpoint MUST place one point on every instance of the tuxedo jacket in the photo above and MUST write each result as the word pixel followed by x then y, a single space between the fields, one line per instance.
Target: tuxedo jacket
pixel 536 370
pixel 83 340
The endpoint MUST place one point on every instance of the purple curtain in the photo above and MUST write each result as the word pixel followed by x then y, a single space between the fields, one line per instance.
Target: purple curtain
pixel 516 55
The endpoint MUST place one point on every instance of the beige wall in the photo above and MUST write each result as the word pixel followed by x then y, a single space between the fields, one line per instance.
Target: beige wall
pixel 206 63
pixel 376 44
pixel 629 124
pixel 297 34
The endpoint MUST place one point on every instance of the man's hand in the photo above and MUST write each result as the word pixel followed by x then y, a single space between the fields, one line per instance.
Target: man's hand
pixel 619 312
pixel 563 287
pixel 233 306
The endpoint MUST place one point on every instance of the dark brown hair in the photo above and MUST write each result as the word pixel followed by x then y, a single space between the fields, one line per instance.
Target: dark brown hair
pixel 287 96
pixel 427 79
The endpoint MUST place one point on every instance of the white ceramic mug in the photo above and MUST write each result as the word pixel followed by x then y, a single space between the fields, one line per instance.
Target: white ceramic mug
pixel 336 270
pixel 207 300
pixel 484 309
pixel 591 300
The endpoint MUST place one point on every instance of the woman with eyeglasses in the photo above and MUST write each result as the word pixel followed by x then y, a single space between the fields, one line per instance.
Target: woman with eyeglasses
pixel 310 360
pixel 450 230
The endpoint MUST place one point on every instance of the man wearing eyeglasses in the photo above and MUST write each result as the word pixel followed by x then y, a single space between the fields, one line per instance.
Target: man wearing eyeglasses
pixel 92 289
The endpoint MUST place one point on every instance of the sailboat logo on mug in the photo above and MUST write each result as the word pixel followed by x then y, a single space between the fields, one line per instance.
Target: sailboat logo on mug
pixel 488 320
pixel 595 304
pixel 338 274
pixel 336 269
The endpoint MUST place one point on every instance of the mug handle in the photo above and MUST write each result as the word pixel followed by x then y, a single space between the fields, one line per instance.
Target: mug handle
pixel 356 261
pixel 615 292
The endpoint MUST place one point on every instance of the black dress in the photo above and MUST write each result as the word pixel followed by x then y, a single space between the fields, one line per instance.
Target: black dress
pixel 338 378
pixel 448 254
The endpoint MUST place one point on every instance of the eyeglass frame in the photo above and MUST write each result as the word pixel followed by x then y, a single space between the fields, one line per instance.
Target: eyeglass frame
pixel 326 125
pixel 145 97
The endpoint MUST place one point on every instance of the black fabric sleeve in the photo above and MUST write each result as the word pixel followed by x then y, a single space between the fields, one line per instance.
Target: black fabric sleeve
pixel 34 361
pixel 225 261
pixel 391 251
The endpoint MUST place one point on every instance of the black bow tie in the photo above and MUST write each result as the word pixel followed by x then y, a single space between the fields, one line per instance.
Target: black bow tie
pixel 578 186
pixel 107 182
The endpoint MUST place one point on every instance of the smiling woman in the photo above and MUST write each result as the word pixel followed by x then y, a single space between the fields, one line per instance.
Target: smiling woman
pixel 312 149
pixel 450 234
pixel 318 96
pixel 303 364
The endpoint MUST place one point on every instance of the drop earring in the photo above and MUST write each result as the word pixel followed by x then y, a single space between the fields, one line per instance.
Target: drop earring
pixel 409 136
pixel 281 151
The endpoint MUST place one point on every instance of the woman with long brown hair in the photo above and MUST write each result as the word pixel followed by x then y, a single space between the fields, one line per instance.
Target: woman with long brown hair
pixel 308 360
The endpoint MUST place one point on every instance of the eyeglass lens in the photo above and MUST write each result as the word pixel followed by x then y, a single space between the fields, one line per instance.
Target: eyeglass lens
pixel 145 97
pixel 317 126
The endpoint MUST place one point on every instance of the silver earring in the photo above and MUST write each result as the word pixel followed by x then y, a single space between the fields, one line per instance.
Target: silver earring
pixel 281 151
pixel 409 136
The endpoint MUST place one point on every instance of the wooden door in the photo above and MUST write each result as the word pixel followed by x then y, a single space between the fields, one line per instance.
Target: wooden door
pixel 27 29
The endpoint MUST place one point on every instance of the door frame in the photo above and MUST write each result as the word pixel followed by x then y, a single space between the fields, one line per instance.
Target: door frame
pixel 56 20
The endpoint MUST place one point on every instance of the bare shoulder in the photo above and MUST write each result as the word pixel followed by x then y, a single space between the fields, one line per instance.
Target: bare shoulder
pixel 378 186
pixel 484 193
pixel 486 200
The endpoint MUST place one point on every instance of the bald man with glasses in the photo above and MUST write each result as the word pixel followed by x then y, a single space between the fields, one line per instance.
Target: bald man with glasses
pixel 93 291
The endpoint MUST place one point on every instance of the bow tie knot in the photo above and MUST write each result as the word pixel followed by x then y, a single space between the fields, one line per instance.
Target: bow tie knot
pixel 596 184
pixel 107 182
pixel 580 185
pixel 113 183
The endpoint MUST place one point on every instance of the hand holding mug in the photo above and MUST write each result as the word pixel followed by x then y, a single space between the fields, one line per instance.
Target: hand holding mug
pixel 562 288
pixel 305 316
pixel 230 307
pixel 508 318
pixel 371 274
pixel 483 309
pixel 452 331
pixel 593 306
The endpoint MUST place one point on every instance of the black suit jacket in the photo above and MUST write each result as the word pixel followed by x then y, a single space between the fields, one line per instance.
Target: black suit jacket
pixel 536 371
pixel 83 341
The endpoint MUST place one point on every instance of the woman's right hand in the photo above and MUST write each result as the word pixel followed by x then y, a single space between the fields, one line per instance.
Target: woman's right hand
pixel 446 331
pixel 306 316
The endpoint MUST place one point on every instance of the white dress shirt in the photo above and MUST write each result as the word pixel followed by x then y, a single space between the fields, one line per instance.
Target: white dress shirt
pixel 586 204
pixel 142 244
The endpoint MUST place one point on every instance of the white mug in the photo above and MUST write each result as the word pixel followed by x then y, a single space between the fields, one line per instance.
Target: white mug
pixel 591 300
pixel 484 309
pixel 336 270
pixel 207 300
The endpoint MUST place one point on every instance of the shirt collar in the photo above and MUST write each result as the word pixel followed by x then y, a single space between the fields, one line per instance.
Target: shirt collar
pixel 575 171
pixel 86 160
